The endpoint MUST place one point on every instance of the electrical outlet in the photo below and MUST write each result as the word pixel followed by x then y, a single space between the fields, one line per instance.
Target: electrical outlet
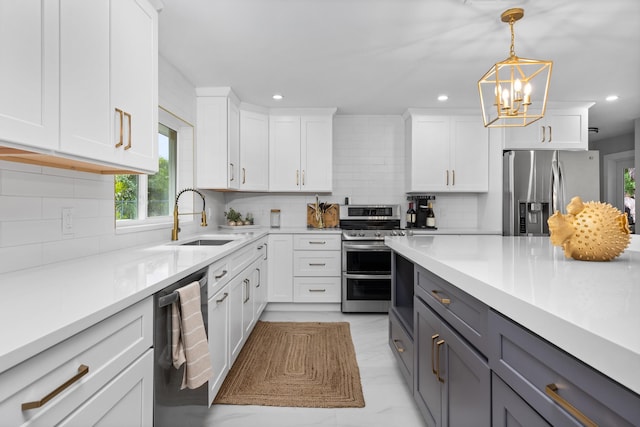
pixel 67 221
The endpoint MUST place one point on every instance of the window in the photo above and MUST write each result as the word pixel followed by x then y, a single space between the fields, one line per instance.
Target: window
pixel 629 178
pixel 143 197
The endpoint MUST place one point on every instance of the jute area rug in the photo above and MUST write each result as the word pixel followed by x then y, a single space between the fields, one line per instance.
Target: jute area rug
pixel 295 364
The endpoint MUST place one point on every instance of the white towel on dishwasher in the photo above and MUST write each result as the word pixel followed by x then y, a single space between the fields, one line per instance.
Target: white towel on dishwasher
pixel 189 338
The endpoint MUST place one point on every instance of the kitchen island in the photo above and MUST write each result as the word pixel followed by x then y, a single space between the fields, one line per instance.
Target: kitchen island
pixel 591 310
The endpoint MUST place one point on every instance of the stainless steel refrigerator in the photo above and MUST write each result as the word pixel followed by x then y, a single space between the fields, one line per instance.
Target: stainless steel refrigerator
pixel 537 183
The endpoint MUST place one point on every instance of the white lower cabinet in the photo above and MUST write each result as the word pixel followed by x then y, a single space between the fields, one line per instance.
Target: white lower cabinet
pixel 316 268
pixel 103 374
pixel 236 329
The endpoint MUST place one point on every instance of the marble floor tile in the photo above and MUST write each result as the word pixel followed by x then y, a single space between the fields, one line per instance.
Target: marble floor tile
pixel 388 401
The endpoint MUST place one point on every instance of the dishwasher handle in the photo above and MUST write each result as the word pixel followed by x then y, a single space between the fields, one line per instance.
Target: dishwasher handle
pixel 174 296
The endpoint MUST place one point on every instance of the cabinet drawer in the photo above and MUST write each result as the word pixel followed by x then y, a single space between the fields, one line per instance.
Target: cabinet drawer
pixel 402 347
pixel 465 313
pixel 313 242
pixel 533 368
pixel 316 289
pixel 218 276
pixel 105 348
pixel 316 263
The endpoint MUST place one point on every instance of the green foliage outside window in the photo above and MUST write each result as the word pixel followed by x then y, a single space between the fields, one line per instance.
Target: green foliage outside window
pixel 126 196
pixel 629 182
pixel 159 201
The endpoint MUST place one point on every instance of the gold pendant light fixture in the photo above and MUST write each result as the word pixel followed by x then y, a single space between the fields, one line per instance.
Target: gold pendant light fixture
pixel 514 92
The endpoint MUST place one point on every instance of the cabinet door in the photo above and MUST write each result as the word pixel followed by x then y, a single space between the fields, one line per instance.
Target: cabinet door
pixel 427 388
pixel 316 153
pixel 233 144
pixel 134 81
pixel 248 297
pixel 236 329
pixel 211 142
pixel 280 266
pixel 284 153
pixel 87 123
pixel 218 339
pixel 429 151
pixel 509 409
pixel 29 73
pixel 452 381
pixel 125 401
pixel 469 155
pixel 254 151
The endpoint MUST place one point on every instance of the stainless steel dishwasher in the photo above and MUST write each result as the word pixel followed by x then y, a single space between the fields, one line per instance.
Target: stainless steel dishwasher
pixel 168 398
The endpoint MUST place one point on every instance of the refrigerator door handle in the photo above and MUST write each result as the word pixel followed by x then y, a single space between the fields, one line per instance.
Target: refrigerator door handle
pixel 557 184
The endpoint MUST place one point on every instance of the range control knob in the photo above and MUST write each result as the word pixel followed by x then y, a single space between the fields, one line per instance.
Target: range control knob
pixel 402 233
pixel 361 234
pixel 352 234
pixel 378 234
pixel 393 233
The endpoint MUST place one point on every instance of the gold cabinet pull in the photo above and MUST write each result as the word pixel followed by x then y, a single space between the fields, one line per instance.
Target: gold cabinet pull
pixel 447 176
pixel 247 287
pixel 438 345
pixel 434 337
pixel 82 371
pixel 297 177
pixel 398 346
pixel 317 290
pixel 552 391
pixel 232 172
pixel 317 264
pixel 244 176
pixel 550 134
pixel 453 177
pixel 121 138
pixel 224 273
pixel 302 176
pixel 224 297
pixel 443 301
pixel 317 242
pixel 544 133
pixel 259 280
pixel 128 116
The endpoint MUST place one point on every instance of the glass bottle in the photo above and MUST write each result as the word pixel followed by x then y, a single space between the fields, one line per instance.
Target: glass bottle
pixel 431 216
pixel 275 218
pixel 411 216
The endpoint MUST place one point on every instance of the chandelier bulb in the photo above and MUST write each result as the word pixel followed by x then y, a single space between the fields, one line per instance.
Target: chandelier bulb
pixel 517 85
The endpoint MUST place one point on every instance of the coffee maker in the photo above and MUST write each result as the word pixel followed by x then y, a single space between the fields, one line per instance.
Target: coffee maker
pixel 420 201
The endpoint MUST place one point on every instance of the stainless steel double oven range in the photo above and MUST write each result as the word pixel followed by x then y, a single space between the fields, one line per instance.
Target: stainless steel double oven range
pixel 366 261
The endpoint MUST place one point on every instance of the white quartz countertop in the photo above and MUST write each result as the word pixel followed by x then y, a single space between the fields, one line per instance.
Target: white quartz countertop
pixel 42 306
pixel 589 309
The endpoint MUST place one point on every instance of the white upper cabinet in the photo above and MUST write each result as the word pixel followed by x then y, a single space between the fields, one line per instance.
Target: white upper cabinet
pixel 446 153
pixel 109 81
pixel 29 74
pixel 564 129
pixel 217 139
pixel 254 151
pixel 301 152
pixel 92 67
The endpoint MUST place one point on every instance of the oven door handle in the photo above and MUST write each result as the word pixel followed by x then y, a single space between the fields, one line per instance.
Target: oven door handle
pixel 357 247
pixel 366 276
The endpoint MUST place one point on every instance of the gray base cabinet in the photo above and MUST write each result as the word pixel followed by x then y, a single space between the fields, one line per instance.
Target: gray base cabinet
pixel 474 367
pixel 452 380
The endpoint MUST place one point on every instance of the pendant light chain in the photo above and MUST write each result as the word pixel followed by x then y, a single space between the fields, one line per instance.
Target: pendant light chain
pixel 513 38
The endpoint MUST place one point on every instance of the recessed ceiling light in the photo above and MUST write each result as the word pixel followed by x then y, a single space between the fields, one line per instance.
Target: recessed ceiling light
pixel 277 97
pixel 442 97
pixel 612 98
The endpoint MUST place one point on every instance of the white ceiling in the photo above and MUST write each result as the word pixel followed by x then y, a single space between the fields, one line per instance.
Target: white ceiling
pixel 383 56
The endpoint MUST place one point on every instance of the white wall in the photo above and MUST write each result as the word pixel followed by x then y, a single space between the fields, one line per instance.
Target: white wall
pixel 32 198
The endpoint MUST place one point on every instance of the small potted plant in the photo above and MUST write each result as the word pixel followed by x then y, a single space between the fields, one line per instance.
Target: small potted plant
pixel 248 220
pixel 233 217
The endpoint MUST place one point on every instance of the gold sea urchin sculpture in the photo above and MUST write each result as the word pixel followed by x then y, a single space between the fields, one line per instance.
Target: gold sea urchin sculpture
pixel 591 231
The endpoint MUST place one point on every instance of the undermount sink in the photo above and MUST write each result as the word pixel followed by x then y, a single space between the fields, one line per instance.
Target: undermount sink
pixel 207 242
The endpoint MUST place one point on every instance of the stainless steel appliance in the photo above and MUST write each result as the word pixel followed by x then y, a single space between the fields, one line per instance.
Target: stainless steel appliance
pixel 537 183
pixel 366 261
pixel 169 401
